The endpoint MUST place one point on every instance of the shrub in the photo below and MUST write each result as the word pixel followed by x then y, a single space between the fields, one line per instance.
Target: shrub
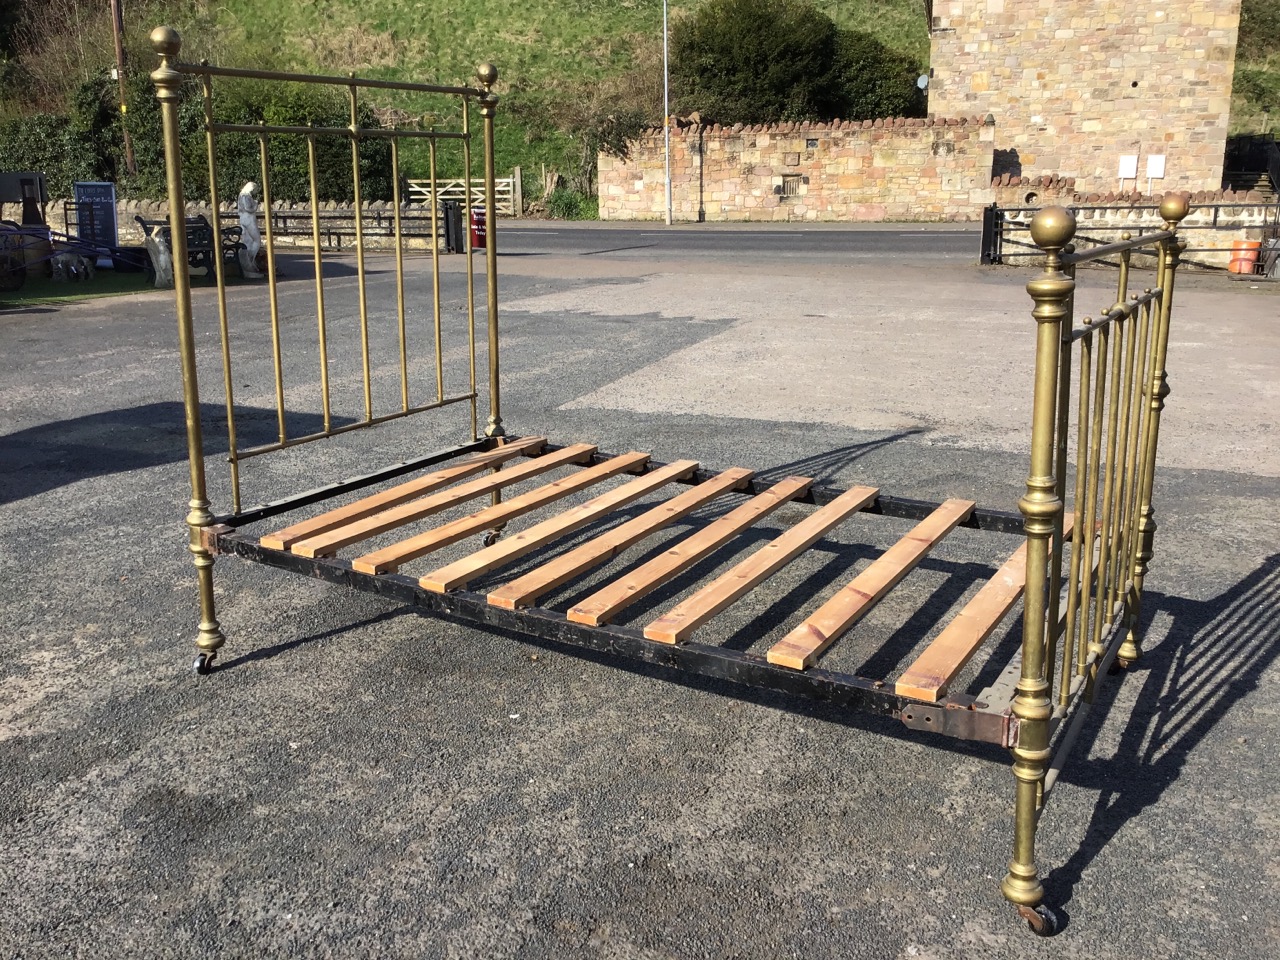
pixel 47 143
pixel 763 61
pixel 755 61
pixel 1259 29
pixel 875 81
pixel 566 204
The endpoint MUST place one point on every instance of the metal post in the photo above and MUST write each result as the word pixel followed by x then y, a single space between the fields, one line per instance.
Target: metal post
pixel 666 106
pixel 1052 229
pixel 487 73
pixel 166 42
pixel 117 30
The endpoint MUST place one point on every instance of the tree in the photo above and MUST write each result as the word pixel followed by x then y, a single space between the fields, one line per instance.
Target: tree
pixel 755 61
pixel 875 81
pixel 764 61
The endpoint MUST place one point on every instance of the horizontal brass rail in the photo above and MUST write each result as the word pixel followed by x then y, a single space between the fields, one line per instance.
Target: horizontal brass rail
pixel 208 70
pixel 346 428
pixel 1111 249
pixel 1130 309
pixel 362 133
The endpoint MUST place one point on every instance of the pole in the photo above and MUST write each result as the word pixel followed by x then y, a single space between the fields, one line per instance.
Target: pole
pixel 117 28
pixel 666 107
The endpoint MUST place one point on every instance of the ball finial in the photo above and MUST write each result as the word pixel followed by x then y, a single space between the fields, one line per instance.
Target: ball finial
pixel 165 41
pixel 487 74
pixel 1174 207
pixel 1053 228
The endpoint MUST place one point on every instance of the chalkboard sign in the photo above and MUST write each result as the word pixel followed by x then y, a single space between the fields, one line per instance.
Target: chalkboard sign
pixel 96 212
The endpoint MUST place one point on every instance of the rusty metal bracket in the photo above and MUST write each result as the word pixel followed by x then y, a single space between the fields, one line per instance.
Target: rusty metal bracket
pixel 964 718
pixel 209 536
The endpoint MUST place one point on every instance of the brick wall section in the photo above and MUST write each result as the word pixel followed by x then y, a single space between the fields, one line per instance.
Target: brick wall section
pixel 897 169
pixel 1075 84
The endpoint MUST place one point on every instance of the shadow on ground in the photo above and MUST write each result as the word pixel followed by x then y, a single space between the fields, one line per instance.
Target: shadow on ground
pixel 1213 657
pixel 52 455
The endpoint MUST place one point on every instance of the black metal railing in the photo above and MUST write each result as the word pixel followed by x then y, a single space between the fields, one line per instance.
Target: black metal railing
pixel 1006 236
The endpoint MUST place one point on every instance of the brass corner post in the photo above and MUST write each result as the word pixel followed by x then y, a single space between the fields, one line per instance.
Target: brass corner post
pixel 1173 209
pixel 487 74
pixel 166 43
pixel 1051 229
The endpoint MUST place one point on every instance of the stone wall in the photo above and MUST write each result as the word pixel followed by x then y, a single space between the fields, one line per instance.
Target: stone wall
pixel 1073 85
pixel 896 169
pixel 292 221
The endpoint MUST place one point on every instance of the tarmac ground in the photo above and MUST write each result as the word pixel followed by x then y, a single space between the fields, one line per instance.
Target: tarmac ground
pixel 355 780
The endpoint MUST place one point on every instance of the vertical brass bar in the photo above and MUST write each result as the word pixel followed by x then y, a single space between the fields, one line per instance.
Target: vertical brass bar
pixel 1051 229
pixel 1062 412
pixel 1104 614
pixel 271 284
pixel 1079 570
pixel 224 328
pixel 395 198
pixel 166 43
pixel 1122 281
pixel 1173 208
pixel 466 249
pixel 1122 462
pixel 321 330
pixel 435 274
pixel 364 306
pixel 1088 604
pixel 1151 319
pixel 1133 391
pixel 488 76
pixel 1141 395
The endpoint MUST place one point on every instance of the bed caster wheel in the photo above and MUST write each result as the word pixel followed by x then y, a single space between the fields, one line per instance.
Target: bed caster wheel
pixel 1042 921
pixel 203 665
pixel 492 537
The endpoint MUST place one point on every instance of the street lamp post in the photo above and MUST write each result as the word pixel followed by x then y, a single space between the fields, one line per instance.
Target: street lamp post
pixel 117 30
pixel 666 107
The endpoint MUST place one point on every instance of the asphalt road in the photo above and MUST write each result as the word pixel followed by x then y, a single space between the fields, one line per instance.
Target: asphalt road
pixel 812 243
pixel 356 781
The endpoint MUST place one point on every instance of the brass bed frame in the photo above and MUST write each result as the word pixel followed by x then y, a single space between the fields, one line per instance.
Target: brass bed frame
pixel 1100 386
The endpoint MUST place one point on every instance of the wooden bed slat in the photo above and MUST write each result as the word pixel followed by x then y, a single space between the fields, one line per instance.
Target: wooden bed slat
pixel 603 605
pixel 929 675
pixel 802 646
pixel 518 544
pixel 328 543
pixel 417 487
pixel 686 616
pixel 527 589
pixel 390 558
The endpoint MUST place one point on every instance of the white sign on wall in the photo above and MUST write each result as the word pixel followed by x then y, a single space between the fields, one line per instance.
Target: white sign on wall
pixel 1128 167
pixel 1155 166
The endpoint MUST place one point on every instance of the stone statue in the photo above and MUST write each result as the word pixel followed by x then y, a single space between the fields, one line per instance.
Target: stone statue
pixel 161 258
pixel 249 235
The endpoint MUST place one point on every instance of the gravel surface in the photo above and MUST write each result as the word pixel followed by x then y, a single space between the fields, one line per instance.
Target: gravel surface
pixel 358 781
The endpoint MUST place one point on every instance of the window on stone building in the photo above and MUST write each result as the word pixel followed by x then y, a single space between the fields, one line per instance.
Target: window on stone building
pixel 791 184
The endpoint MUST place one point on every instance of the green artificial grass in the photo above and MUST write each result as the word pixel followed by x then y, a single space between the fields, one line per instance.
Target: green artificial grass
pixel 41 291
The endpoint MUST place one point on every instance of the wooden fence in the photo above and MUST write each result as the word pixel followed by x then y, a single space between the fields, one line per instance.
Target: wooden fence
pixel 508 195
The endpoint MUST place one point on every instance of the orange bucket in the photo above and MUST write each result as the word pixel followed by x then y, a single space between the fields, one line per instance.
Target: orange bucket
pixel 1244 254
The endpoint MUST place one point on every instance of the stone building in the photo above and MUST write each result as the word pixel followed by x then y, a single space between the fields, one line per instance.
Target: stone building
pixel 1074 86
pixel 1029 101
